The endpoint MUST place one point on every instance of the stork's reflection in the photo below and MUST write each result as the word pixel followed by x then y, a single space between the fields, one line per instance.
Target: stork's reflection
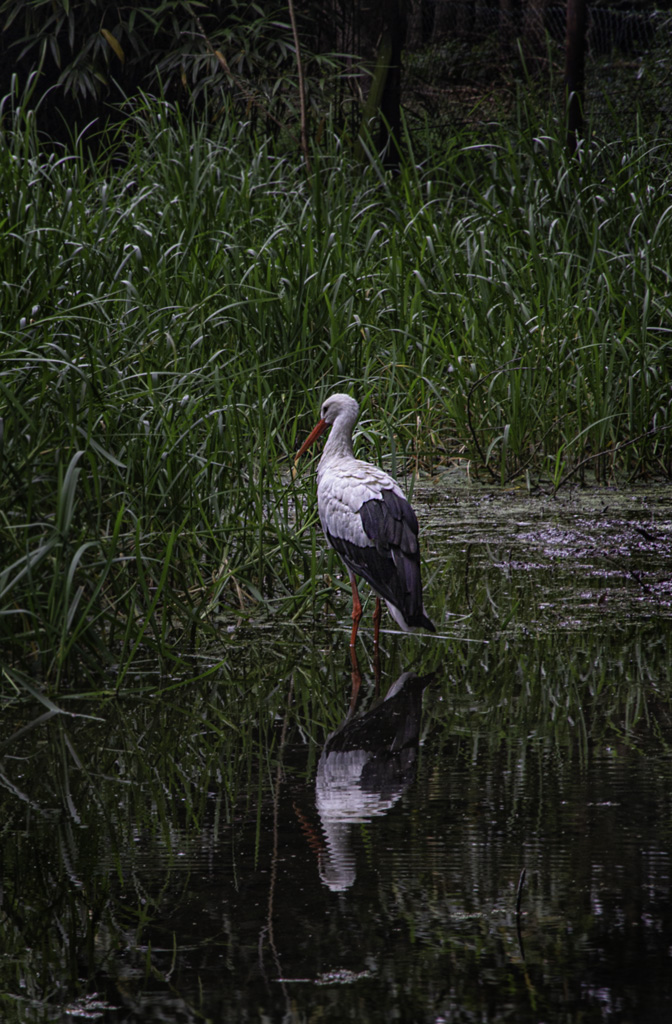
pixel 365 767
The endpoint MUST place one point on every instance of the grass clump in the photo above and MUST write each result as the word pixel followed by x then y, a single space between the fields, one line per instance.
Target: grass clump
pixel 175 309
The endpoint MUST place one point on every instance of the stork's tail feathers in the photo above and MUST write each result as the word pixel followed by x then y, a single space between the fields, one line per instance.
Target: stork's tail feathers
pixel 417 621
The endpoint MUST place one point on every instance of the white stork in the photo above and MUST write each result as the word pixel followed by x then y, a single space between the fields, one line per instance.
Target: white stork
pixel 368 521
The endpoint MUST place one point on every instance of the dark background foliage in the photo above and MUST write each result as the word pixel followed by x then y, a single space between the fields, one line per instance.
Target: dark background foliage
pixel 447 57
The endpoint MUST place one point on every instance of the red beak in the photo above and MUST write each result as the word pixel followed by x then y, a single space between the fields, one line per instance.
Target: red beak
pixel 316 432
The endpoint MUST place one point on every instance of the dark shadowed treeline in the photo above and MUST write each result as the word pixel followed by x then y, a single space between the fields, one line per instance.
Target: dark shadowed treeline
pixel 363 64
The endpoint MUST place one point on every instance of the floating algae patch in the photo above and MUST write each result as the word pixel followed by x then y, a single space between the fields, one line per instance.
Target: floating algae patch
pixel 543 563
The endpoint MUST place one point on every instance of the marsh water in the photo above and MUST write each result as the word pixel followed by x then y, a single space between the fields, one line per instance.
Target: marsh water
pixel 493 842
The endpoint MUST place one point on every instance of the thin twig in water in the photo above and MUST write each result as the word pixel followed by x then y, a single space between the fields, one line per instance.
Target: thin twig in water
pixel 519 895
pixel 279 775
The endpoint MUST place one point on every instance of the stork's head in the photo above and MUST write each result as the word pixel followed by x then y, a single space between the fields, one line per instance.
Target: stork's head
pixel 337 407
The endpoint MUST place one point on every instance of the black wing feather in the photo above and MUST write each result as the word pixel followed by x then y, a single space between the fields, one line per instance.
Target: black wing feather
pixel 391 564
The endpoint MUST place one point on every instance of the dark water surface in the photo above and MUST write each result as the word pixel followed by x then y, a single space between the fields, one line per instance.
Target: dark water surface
pixel 492 843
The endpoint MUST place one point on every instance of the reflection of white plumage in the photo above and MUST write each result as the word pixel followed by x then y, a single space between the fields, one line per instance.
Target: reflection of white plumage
pixel 365 767
pixel 368 521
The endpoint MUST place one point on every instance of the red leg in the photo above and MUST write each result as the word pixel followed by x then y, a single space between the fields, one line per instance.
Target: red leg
pixel 356 610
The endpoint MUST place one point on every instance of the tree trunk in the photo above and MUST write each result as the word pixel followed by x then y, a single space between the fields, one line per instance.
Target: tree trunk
pixel 390 106
pixel 575 52
pixel 384 97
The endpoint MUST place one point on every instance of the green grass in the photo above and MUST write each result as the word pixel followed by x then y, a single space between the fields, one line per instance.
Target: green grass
pixel 174 310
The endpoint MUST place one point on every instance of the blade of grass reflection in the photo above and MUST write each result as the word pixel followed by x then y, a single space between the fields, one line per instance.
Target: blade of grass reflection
pixel 19 682
pixel 36 722
pixel 279 775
